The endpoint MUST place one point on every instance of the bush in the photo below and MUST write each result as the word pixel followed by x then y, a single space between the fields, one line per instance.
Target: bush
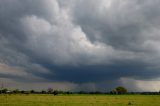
pixel 119 90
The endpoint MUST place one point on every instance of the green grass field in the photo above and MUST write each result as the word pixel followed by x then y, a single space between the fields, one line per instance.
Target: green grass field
pixel 79 100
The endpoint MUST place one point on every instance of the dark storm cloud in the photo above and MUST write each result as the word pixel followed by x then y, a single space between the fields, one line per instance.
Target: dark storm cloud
pixel 98 73
pixel 93 41
pixel 123 22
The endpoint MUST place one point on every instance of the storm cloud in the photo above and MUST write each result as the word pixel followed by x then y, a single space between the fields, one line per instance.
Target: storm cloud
pixel 93 44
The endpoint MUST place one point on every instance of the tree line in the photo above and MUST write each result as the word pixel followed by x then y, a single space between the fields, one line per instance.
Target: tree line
pixel 116 91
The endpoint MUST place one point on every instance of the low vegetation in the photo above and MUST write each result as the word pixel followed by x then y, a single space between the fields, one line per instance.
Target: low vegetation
pixel 78 100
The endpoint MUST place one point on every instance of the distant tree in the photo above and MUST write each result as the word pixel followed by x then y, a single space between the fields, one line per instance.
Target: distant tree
pixel 32 91
pixel 121 90
pixel 43 92
pixel 82 92
pixel 0 91
pixel 22 91
pixel 4 90
pixel 114 91
pixel 68 92
pixel 55 92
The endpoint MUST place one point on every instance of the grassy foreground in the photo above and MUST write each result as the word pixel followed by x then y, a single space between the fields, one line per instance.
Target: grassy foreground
pixel 79 100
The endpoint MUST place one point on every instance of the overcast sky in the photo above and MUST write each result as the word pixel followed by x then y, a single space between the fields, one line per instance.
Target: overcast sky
pixel 80 44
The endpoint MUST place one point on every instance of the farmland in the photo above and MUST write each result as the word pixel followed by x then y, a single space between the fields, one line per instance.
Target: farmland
pixel 78 100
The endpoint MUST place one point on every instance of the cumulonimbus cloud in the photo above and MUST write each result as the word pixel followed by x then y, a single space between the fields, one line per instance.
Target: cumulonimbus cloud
pixel 81 41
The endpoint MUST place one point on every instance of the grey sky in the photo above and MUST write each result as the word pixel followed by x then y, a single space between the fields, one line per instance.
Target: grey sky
pixel 93 44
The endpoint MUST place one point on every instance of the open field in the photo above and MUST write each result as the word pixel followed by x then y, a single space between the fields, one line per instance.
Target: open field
pixel 79 100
